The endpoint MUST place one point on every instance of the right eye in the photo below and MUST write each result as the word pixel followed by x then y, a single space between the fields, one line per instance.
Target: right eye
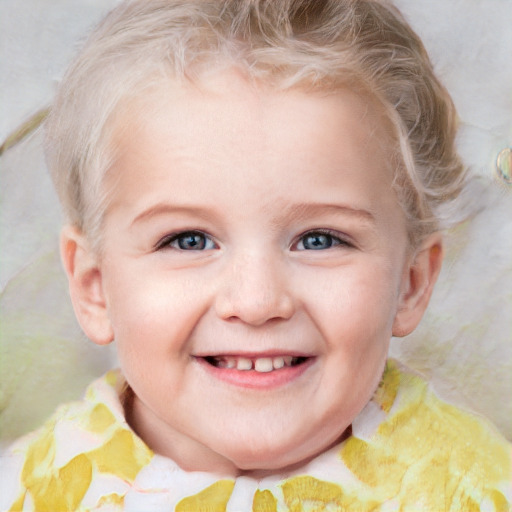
pixel 187 241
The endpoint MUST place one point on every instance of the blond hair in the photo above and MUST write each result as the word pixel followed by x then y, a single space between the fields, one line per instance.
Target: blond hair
pixel 317 44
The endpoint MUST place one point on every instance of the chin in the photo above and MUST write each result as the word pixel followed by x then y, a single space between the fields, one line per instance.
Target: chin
pixel 264 462
pixel 292 453
pixel 261 456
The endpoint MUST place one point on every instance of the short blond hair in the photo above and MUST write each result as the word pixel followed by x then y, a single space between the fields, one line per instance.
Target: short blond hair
pixel 317 44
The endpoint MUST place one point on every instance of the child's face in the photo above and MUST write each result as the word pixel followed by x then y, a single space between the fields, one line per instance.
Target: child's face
pixel 251 228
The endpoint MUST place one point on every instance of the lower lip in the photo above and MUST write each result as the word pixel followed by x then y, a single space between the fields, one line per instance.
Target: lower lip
pixel 257 380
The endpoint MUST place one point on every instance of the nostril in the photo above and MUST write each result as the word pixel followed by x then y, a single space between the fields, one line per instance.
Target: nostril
pixel 253 312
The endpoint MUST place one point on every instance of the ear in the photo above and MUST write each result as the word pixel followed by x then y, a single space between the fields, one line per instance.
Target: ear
pixel 85 285
pixel 417 284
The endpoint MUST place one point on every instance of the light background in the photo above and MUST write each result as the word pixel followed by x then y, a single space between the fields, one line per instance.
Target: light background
pixel 464 344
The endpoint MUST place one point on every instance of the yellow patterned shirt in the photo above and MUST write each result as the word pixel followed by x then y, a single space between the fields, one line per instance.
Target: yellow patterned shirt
pixel 409 451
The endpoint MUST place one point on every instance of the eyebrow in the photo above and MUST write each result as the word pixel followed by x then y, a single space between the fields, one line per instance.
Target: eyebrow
pixel 169 208
pixel 303 211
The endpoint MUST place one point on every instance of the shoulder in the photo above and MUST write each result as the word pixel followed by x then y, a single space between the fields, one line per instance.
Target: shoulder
pixel 425 450
pixel 82 443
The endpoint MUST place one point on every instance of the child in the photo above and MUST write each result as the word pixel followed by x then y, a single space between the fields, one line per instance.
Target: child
pixel 254 194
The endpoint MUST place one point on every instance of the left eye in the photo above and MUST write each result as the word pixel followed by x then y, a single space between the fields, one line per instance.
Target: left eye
pixel 318 241
pixel 187 241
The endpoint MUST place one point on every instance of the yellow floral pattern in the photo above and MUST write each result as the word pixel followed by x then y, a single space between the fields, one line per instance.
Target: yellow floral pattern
pixel 213 499
pixel 421 455
pixel 458 458
pixel 52 488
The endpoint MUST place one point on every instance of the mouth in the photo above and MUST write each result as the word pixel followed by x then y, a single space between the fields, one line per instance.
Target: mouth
pixel 262 371
pixel 258 364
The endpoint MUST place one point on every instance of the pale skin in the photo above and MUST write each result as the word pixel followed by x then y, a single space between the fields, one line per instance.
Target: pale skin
pixel 250 224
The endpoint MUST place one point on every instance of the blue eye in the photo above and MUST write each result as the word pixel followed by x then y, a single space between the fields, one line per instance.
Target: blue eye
pixel 318 241
pixel 187 241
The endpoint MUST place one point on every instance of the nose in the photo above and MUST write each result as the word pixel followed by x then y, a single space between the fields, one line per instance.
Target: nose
pixel 254 290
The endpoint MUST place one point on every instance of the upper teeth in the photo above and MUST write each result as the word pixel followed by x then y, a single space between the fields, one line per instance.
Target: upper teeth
pixel 260 364
pixel 242 364
pixel 265 364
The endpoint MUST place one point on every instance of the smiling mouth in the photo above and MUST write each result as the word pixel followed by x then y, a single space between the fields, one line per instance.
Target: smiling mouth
pixel 259 364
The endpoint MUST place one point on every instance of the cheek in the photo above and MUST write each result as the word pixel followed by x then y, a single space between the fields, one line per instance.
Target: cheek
pixel 144 308
pixel 154 314
pixel 359 303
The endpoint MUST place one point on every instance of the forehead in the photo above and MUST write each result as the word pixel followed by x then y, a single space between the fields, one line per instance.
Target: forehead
pixel 224 97
pixel 216 84
pixel 251 134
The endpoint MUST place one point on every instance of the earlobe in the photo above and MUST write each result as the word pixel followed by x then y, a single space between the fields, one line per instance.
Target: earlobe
pixel 85 285
pixel 418 284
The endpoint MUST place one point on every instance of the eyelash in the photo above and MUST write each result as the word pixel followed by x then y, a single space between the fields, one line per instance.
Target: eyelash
pixel 167 241
pixel 332 238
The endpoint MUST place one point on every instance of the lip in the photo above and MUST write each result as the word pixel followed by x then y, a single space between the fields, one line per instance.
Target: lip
pixel 253 379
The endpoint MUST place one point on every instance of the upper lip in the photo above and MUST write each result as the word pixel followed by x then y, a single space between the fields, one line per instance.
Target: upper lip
pixel 254 355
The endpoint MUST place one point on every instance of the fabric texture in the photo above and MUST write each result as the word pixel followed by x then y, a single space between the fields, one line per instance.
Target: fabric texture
pixel 409 451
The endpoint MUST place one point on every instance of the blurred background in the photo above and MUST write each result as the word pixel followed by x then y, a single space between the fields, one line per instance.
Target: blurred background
pixel 464 344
